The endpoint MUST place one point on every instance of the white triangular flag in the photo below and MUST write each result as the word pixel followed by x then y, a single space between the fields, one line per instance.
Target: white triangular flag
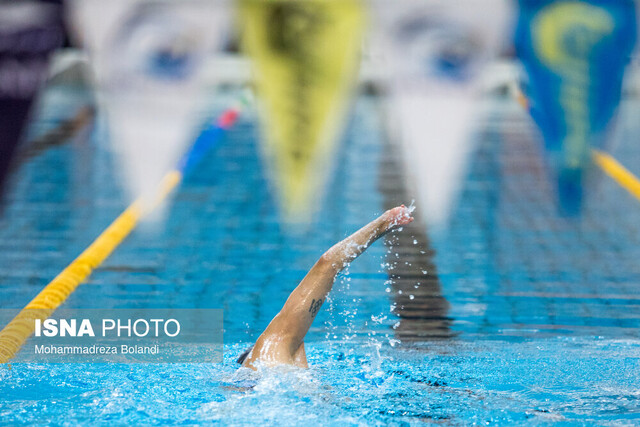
pixel 147 58
pixel 437 50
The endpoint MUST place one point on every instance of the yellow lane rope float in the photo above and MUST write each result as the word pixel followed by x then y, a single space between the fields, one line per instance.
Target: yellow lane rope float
pixel 617 172
pixel 16 333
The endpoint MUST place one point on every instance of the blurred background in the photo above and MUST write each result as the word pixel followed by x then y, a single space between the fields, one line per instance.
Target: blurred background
pixel 154 69
pixel 510 125
pixel 293 123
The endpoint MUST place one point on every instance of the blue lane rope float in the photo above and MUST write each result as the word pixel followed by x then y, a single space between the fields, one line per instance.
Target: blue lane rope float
pixel 16 333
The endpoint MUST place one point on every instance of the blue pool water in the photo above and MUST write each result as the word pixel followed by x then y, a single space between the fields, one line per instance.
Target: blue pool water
pixel 526 317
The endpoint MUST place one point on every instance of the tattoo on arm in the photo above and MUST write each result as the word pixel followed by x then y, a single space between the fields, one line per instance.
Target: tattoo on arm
pixel 315 306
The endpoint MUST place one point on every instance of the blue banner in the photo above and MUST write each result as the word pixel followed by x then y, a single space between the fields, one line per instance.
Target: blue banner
pixel 575 54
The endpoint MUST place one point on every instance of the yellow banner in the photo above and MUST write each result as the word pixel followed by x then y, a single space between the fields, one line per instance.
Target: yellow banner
pixel 305 55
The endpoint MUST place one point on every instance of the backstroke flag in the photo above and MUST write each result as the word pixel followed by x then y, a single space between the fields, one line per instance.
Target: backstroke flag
pixel 437 52
pixel 574 54
pixel 305 57
pixel 147 58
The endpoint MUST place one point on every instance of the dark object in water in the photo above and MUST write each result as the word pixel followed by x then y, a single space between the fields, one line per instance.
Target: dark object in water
pixel 29 32
pixel 244 355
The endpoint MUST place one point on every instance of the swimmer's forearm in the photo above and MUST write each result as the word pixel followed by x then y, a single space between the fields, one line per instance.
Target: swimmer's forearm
pixel 306 300
pixel 314 288
pixel 350 248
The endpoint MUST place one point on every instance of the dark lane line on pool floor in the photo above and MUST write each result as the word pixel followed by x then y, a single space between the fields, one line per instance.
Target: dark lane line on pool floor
pixel 417 291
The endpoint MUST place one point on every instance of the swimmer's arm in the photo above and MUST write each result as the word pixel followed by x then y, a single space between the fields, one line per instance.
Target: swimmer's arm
pixel 295 318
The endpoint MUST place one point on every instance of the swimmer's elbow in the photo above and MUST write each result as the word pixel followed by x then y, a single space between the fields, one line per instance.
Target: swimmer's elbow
pixel 282 333
pixel 327 262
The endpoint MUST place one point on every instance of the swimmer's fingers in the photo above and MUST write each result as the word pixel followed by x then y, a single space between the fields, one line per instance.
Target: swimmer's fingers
pixel 398 216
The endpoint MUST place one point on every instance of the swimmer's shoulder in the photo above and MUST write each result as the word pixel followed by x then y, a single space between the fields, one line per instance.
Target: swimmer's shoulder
pixel 272 350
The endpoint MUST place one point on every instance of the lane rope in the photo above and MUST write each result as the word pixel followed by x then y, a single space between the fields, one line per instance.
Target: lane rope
pixel 16 333
pixel 617 172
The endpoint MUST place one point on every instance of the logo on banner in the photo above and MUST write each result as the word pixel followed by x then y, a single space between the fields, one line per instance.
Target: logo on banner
pixel 564 37
pixel 575 53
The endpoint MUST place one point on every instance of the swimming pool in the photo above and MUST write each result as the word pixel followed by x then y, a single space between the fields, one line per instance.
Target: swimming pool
pixel 520 316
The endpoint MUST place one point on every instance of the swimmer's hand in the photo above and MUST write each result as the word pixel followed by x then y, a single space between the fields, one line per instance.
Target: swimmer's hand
pixel 397 217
